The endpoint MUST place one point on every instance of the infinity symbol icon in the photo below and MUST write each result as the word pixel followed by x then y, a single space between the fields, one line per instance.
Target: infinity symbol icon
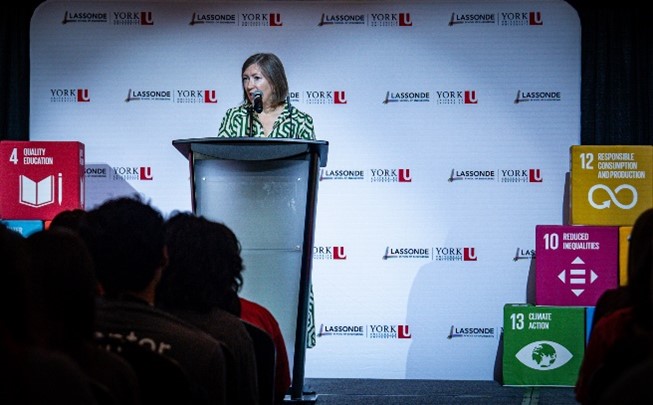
pixel 613 196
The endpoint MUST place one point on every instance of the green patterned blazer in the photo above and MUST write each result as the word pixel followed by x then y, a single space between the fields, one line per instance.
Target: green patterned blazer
pixel 291 123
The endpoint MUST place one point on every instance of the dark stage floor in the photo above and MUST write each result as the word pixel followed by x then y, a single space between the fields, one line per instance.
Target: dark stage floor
pixel 335 391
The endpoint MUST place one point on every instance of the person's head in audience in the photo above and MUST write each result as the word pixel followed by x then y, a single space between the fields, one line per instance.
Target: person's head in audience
pixel 640 267
pixel 70 219
pixel 64 288
pixel 125 237
pixel 30 374
pixel 14 301
pixel 204 265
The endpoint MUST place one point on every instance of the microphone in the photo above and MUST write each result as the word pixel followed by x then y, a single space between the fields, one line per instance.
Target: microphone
pixel 257 99
pixel 290 118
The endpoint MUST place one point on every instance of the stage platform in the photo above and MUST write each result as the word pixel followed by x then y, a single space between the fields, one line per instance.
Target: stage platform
pixel 337 391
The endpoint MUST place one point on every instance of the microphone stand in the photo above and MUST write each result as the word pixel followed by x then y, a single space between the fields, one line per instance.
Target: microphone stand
pixel 250 116
pixel 292 126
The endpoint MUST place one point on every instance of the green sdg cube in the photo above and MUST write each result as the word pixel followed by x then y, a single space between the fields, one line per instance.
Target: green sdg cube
pixel 542 345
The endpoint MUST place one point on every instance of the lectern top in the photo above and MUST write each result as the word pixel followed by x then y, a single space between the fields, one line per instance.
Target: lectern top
pixel 253 148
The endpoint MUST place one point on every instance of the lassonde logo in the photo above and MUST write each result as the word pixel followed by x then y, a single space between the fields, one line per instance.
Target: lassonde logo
pixel 293 96
pixel 536 95
pixel 178 96
pixel 500 175
pixel 70 96
pixel 471 174
pixel 95 171
pixel 213 18
pixel 471 332
pixel 371 20
pixel 407 253
pixel 401 175
pixel 341 174
pixel 472 18
pixel 544 355
pixel 407 97
pixel 451 254
pixel 148 95
pixel 117 17
pixel 371 331
pixel 523 254
pixel 84 17
pixel 341 330
pixel 341 19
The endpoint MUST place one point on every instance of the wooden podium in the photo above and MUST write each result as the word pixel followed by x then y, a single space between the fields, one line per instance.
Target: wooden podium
pixel 265 190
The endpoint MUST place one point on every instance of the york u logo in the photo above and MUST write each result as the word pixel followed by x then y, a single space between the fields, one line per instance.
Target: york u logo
pixel 470 97
pixel 146 18
pixel 210 97
pixel 535 18
pixel 404 176
pixel 469 254
pixel 405 20
pixel 403 332
pixel 339 97
pixel 145 173
pixel 275 20
pixel 339 253
pixel 534 176
pixel 82 96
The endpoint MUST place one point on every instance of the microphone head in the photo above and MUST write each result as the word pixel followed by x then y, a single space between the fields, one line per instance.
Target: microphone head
pixel 257 99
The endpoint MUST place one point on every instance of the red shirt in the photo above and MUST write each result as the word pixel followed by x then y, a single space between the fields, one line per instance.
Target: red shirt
pixel 260 316
pixel 607 331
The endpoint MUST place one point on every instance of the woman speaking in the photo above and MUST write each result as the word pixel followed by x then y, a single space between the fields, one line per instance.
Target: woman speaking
pixel 266 110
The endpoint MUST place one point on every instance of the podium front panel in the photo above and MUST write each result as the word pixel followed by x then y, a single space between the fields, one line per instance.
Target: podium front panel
pixel 264 203
pixel 271 279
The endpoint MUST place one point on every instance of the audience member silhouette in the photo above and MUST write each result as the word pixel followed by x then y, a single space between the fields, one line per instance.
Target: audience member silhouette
pixel 200 284
pixel 622 339
pixel 631 388
pixel 619 297
pixel 30 374
pixel 628 360
pixel 625 376
pixel 64 290
pixel 70 219
pixel 125 237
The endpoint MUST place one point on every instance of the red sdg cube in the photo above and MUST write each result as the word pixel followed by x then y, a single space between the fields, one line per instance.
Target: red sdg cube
pixel 40 179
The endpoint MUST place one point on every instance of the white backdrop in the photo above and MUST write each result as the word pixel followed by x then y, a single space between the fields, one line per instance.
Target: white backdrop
pixel 449 125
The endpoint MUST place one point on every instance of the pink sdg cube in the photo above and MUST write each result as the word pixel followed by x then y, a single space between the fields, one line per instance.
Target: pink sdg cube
pixel 574 264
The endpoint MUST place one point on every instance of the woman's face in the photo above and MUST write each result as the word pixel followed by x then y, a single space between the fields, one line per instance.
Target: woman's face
pixel 253 80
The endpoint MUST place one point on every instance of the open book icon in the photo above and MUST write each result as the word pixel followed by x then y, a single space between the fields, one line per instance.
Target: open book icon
pixel 38 194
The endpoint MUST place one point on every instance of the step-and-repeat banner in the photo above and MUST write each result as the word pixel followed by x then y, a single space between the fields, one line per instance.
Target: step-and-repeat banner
pixel 449 127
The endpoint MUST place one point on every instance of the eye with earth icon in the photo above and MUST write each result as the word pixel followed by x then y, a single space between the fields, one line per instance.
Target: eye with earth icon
pixel 544 355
